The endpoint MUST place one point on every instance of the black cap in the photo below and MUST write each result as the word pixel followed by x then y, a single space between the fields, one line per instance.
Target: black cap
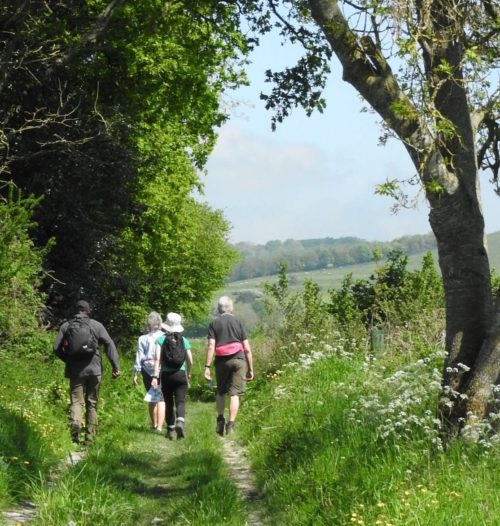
pixel 82 305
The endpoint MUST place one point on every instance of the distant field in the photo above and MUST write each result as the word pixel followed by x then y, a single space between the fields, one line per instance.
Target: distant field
pixel 332 278
pixel 325 278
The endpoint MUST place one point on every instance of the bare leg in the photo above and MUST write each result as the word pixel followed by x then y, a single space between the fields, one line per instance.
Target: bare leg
pixel 234 405
pixel 160 415
pixel 152 408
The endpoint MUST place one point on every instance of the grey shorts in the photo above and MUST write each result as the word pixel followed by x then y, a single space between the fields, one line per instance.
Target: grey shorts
pixel 230 373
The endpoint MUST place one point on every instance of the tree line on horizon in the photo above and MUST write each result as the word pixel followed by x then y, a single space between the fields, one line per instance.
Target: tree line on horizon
pixel 315 254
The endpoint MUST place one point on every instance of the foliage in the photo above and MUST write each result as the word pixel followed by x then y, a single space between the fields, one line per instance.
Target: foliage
pixel 426 70
pixel 391 295
pixel 33 413
pixel 293 318
pixel 114 105
pixel 495 283
pixel 173 266
pixel 370 39
pixel 343 437
pixel 21 304
pixel 348 437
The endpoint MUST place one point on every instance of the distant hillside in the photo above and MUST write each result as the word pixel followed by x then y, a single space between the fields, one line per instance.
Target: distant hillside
pixel 247 292
pixel 332 277
pixel 319 254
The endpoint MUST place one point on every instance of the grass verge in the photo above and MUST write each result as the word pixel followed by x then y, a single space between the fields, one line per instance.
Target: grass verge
pixel 340 437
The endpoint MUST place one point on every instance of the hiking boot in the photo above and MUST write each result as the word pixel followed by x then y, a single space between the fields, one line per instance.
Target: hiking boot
pixel 171 432
pixel 75 435
pixel 221 421
pixel 179 429
pixel 229 427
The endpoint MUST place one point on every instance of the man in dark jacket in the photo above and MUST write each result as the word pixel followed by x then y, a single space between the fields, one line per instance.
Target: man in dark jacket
pixel 85 373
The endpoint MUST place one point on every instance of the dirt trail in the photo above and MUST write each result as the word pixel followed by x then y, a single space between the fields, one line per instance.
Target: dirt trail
pixel 26 510
pixel 239 470
pixel 233 454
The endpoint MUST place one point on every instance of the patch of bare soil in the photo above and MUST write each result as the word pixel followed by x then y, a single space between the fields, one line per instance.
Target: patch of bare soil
pixel 239 470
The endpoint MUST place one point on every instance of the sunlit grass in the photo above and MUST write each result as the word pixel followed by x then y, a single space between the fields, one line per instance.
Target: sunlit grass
pixel 130 475
pixel 340 438
pixel 336 435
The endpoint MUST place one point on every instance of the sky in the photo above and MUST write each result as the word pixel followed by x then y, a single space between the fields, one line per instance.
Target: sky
pixel 314 177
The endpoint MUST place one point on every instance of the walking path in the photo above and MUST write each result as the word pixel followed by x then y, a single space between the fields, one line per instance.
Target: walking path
pixel 159 479
pixel 26 510
pixel 239 471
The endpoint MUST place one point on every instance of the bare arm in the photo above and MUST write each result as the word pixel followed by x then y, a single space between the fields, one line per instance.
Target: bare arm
pixel 249 358
pixel 189 365
pixel 209 358
pixel 156 370
pixel 137 363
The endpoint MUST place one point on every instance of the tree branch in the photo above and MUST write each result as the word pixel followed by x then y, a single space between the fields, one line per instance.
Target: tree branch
pixel 95 32
pixel 365 67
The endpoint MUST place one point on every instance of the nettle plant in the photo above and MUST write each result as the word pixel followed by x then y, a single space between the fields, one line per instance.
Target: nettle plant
pixel 392 297
pixel 294 322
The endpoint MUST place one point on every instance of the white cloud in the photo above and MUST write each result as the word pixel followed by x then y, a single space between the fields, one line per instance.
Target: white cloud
pixel 314 177
pixel 271 190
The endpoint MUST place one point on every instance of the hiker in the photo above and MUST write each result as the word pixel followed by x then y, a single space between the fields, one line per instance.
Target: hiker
pixel 172 370
pixel 233 362
pixel 144 364
pixel 77 345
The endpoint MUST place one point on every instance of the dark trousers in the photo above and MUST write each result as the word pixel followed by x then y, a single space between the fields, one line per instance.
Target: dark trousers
pixel 174 387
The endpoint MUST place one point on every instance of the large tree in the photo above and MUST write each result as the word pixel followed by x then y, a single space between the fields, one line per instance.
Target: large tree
pixel 427 67
pixel 108 109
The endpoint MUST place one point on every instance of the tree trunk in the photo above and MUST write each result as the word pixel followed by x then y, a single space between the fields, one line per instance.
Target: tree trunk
pixel 446 163
pixel 484 377
pixel 463 260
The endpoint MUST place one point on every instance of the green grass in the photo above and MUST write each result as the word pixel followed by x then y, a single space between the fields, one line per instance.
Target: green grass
pixel 336 443
pixel 130 476
pixel 33 420
pixel 133 476
pixel 336 438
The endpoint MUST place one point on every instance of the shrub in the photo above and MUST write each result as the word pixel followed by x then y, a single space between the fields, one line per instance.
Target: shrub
pixel 21 304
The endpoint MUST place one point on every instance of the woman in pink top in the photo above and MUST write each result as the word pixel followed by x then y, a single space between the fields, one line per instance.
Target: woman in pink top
pixel 227 340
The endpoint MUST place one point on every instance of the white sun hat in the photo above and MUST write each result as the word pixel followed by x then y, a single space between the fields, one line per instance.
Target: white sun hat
pixel 173 323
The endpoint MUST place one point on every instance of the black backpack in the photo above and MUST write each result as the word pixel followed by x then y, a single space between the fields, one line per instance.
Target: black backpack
pixel 173 350
pixel 79 340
